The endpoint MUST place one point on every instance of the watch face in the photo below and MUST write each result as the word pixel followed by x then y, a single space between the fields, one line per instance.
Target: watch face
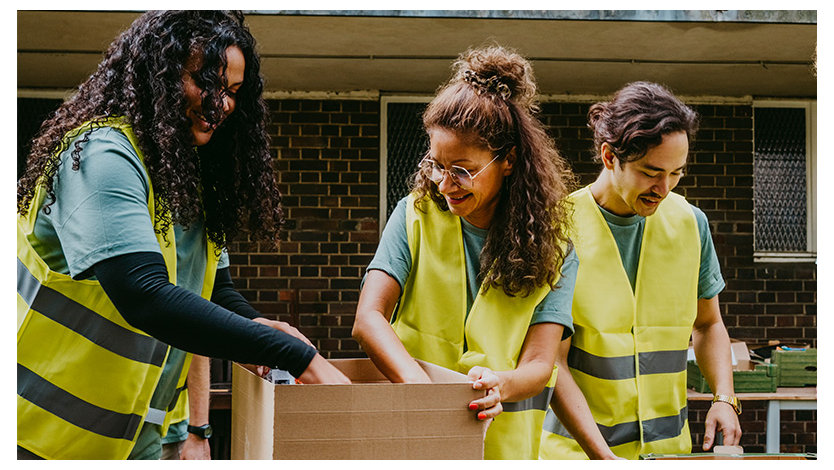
pixel 203 431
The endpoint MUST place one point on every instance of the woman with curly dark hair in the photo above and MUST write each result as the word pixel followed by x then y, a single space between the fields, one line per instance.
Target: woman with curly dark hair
pixel 476 261
pixel 132 191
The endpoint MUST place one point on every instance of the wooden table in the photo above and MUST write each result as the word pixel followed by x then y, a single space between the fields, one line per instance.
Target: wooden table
pixel 784 398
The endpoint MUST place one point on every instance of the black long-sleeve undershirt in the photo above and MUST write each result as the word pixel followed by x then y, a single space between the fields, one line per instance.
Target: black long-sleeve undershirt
pixel 138 286
pixel 225 295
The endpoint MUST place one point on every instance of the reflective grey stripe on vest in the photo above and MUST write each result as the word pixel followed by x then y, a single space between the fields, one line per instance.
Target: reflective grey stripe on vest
pixel 155 416
pixel 67 406
pixel 662 362
pixel 80 319
pixel 653 429
pixel 27 285
pixel 622 367
pixel 609 368
pixel 614 435
pixel 664 428
pixel 538 402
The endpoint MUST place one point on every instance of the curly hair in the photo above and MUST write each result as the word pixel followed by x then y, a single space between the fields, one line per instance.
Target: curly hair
pixel 491 96
pixel 637 118
pixel 230 180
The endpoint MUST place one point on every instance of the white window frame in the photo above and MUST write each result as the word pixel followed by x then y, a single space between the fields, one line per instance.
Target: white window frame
pixel 810 254
pixel 383 148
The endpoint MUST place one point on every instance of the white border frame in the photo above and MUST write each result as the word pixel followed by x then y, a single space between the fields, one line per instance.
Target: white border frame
pixel 810 253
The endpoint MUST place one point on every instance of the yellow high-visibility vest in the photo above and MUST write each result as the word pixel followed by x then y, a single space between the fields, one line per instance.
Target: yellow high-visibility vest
pixel 433 325
pixel 85 376
pixel 628 352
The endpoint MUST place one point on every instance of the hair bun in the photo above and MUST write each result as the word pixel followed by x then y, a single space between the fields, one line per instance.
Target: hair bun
pixel 500 71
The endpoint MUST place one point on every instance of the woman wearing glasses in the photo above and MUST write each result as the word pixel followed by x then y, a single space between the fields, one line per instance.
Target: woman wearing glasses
pixel 474 270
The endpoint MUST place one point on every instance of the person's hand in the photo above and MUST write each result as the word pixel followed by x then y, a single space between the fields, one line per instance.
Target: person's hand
pixel 319 371
pixel 260 371
pixel 721 417
pixel 489 406
pixel 283 326
pixel 195 448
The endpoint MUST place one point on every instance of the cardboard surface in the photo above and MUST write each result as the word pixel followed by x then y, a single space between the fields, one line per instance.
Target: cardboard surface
pixel 369 419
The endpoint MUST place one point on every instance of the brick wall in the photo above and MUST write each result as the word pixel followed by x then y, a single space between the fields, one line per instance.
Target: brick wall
pixel 328 168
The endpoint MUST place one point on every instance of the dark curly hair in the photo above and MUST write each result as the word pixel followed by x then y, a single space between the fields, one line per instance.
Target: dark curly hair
pixel 491 96
pixel 230 180
pixel 637 118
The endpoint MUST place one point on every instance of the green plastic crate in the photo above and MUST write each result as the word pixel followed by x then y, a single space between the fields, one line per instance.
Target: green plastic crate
pixel 764 378
pixel 796 368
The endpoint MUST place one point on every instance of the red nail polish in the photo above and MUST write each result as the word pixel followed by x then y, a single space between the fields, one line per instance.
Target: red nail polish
pixel 482 415
pixel 473 406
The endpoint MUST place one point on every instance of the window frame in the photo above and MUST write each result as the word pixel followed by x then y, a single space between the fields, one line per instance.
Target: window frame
pixel 810 253
pixel 383 148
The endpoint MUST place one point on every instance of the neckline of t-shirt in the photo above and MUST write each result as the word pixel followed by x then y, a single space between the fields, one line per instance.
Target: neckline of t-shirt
pixel 620 220
pixel 473 230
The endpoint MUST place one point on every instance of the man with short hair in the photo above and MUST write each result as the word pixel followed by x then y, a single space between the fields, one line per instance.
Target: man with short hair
pixel 648 278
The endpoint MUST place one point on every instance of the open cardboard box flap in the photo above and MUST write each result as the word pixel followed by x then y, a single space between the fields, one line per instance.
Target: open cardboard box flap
pixel 741 355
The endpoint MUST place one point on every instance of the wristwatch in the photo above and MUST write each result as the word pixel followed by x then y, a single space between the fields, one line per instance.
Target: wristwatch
pixel 732 400
pixel 203 431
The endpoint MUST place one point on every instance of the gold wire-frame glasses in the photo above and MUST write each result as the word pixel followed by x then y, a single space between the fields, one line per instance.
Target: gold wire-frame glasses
pixel 460 175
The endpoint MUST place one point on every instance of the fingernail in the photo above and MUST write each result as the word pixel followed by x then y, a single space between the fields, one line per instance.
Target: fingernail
pixel 481 415
pixel 473 406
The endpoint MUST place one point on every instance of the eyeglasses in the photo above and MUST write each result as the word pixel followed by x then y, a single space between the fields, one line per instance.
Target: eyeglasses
pixel 460 176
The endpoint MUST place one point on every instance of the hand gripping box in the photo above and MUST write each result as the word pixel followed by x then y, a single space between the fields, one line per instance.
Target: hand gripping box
pixel 371 418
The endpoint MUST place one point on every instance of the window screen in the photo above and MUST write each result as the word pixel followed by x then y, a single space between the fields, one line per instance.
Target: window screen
pixel 407 144
pixel 779 180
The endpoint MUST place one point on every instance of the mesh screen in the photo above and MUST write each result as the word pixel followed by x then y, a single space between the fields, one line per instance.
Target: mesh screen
pixel 780 210
pixel 407 143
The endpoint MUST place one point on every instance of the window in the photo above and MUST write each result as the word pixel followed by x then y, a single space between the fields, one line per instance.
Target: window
pixel 402 145
pixel 784 181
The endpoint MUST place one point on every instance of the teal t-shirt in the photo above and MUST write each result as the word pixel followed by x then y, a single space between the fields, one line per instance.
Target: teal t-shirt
pixel 394 258
pixel 628 233
pixel 101 211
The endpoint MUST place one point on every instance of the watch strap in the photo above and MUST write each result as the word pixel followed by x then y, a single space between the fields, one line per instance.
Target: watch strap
pixel 731 400
pixel 203 431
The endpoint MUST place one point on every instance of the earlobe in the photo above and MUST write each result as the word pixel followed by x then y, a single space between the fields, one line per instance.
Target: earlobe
pixel 607 155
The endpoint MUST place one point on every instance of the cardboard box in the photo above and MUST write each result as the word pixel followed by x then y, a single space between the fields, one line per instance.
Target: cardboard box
pixel 368 419
pixel 748 375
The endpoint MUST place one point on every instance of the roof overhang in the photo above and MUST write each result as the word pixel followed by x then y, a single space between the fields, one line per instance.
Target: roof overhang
pixel 711 53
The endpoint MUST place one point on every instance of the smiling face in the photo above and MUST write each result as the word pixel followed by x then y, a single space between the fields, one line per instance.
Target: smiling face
pixel 476 204
pixel 637 187
pixel 201 130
